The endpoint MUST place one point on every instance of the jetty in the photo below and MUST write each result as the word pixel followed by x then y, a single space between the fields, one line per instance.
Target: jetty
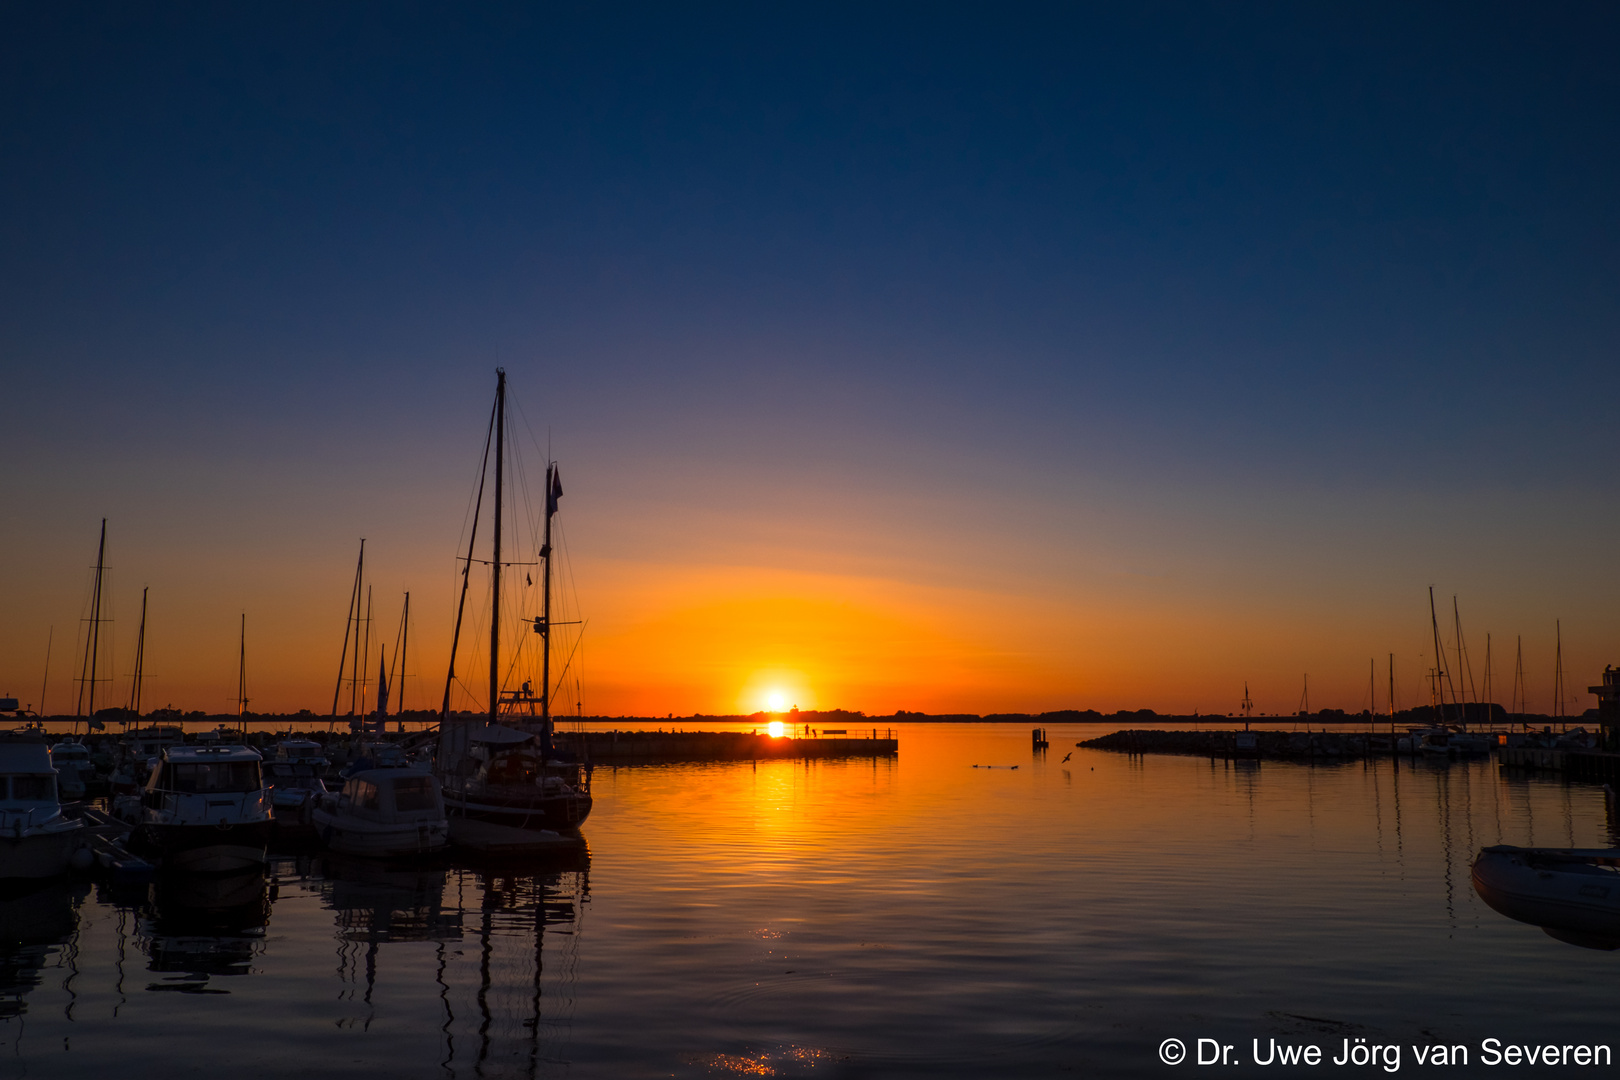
pixel 658 747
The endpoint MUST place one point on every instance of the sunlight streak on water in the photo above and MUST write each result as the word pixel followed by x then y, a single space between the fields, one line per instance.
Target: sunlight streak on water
pixel 893 917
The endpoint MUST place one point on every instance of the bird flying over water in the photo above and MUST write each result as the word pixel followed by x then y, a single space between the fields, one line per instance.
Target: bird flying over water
pixel 1067 756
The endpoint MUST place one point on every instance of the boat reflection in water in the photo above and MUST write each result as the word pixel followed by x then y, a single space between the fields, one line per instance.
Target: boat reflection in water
pixel 195 929
pixel 36 923
pixel 1573 894
pixel 505 992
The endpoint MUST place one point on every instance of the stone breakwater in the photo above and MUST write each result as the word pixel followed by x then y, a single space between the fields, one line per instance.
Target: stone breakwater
pixel 1267 744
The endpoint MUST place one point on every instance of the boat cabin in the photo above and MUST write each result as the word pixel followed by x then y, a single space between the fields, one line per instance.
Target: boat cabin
pixel 27 778
pixel 205 770
pixel 392 795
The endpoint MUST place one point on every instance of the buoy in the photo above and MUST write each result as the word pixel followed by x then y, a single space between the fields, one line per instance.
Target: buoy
pixel 82 859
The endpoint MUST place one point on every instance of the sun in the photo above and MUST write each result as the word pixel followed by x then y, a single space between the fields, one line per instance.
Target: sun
pixel 776 701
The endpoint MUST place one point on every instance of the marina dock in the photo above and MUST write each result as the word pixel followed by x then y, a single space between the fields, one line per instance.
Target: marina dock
pixel 655 747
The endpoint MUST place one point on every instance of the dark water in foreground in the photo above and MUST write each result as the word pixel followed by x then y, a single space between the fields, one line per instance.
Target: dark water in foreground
pixel 913 917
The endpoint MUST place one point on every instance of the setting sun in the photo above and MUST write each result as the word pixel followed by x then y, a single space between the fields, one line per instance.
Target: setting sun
pixel 776 701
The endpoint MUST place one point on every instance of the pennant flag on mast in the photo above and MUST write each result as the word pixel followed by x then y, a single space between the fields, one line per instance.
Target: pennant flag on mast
pixel 556 491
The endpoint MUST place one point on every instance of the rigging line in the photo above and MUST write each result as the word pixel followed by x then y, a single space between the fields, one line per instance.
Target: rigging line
pixel 466 570
pixel 578 640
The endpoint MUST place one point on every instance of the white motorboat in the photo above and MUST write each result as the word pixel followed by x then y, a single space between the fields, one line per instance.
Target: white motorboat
pixel 36 840
pixel 205 809
pixel 294 777
pixel 1571 893
pixel 384 813
pixel 75 773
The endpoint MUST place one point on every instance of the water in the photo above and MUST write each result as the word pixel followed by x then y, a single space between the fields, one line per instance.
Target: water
pixel 893 918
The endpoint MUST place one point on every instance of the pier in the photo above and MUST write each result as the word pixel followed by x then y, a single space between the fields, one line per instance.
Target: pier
pixel 657 747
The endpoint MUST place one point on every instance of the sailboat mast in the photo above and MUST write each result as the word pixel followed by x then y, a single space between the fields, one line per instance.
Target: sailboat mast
pixel 241 677
pixel 348 627
pixel 140 659
pixel 92 645
pixel 45 682
pixel 466 572
pixel 545 596
pixel 1558 671
pixel 495 566
pixel 365 670
pixel 1439 661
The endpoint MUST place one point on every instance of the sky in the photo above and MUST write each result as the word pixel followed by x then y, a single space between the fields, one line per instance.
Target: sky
pixel 954 358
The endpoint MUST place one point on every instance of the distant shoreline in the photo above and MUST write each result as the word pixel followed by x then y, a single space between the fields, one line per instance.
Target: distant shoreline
pixel 416 720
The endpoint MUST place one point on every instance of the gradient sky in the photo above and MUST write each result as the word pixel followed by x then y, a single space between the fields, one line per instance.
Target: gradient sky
pixel 944 358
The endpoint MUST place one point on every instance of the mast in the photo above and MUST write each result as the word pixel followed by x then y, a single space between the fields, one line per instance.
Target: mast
pixel 348 625
pixel 553 491
pixel 1488 698
pixel 46 681
pixel 495 566
pixel 1516 698
pixel 1558 671
pixel 92 644
pixel 1372 689
pixel 140 660
pixel 404 642
pixel 241 679
pixel 396 668
pixel 466 572
pixel 365 671
pixel 1392 690
pixel 1440 663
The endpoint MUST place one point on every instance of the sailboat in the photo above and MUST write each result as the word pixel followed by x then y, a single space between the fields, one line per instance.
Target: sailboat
pixel 507 788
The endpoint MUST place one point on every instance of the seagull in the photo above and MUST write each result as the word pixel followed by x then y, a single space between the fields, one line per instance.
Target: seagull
pixel 1067 756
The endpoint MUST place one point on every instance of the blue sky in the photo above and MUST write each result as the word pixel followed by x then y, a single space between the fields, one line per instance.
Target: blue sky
pixel 1280 308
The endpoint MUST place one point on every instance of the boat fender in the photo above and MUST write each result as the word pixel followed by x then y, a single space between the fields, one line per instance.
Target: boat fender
pixel 82 859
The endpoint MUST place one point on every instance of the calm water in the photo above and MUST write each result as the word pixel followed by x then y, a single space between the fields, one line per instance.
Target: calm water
pixel 910 917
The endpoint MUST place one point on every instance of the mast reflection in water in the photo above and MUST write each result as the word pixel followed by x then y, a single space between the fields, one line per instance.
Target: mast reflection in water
pixel 505 992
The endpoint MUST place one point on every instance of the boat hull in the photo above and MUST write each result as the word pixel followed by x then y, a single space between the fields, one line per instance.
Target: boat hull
pixel 34 856
pixel 207 849
pixel 497 837
pixel 1570 899
pixel 494 824
pixel 350 836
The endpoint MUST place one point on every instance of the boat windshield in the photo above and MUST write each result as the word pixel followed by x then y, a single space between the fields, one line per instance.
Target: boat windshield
pixel 213 776
pixel 414 793
pixel 29 788
pixel 364 795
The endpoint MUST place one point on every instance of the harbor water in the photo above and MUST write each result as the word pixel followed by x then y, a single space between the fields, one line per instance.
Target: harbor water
pixel 938 913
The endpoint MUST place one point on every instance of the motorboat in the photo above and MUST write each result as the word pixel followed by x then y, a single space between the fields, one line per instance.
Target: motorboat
pixel 138 752
pixel 383 813
pixel 75 772
pixel 36 839
pixel 294 776
pixel 204 809
pixel 1573 894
